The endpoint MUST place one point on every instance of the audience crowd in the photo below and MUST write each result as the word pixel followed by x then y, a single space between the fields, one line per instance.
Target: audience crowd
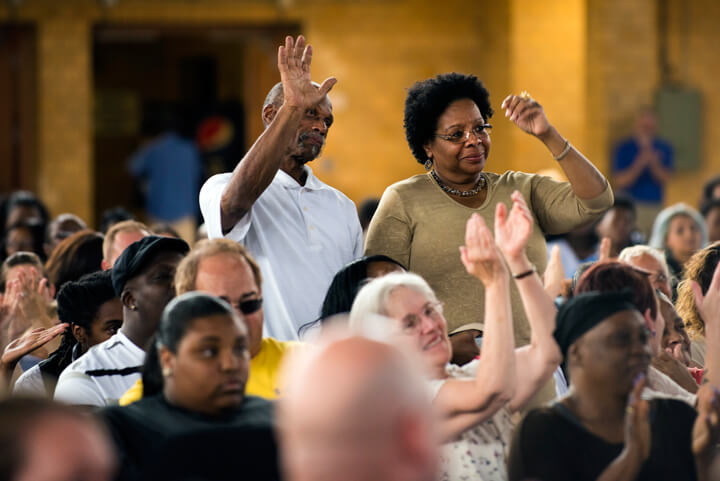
pixel 297 343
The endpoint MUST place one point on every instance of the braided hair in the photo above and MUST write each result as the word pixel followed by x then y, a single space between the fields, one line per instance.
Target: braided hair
pixel 78 303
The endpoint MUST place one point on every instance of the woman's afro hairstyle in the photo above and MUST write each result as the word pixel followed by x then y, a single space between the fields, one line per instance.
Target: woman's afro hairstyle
pixel 427 100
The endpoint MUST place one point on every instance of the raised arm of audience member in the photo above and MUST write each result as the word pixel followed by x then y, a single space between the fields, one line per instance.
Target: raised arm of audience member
pixel 536 361
pixel 708 306
pixel 23 345
pixel 464 403
pixel 257 169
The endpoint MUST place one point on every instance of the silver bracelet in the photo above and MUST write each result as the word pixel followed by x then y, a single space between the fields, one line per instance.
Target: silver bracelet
pixel 564 152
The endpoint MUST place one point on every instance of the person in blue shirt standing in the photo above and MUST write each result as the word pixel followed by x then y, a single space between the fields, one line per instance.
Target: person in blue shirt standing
pixel 170 167
pixel 642 165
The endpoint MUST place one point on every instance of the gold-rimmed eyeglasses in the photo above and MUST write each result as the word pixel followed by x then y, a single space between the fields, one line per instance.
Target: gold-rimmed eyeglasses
pixel 480 132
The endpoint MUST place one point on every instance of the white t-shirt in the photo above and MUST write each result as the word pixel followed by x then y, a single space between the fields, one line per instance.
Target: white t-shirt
pixel 31 384
pixel 299 235
pixel 103 374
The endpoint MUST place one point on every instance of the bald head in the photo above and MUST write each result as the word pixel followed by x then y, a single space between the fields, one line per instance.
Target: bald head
pixel 356 410
pixel 44 441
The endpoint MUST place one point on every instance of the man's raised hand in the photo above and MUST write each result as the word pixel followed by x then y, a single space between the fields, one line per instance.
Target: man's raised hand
pixel 294 60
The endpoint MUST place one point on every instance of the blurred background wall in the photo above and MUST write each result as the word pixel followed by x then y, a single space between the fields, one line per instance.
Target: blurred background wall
pixel 78 76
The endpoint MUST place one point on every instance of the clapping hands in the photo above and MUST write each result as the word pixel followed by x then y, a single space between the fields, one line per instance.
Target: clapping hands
pixel 512 231
pixel 25 303
pixel 637 422
pixel 480 255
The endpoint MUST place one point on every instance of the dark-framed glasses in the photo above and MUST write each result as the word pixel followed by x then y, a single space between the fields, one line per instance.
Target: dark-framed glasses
pixel 480 132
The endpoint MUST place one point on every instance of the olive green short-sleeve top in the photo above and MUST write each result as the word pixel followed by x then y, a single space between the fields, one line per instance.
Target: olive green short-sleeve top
pixel 421 227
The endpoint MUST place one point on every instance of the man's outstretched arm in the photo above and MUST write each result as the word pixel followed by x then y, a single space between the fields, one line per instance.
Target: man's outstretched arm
pixel 257 169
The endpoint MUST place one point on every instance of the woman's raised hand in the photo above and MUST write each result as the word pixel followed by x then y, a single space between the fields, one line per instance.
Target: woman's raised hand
pixel 512 231
pixel 527 114
pixel 480 255
pixel 294 60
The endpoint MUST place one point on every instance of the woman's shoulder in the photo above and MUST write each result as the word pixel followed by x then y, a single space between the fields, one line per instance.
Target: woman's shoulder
pixel 258 407
pixel 675 411
pixel 141 410
pixel 410 185
pixel 542 419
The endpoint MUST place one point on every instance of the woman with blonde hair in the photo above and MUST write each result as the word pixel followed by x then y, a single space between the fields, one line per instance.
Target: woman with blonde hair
pixel 699 268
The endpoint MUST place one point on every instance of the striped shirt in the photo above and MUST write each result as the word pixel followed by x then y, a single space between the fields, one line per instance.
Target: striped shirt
pixel 103 374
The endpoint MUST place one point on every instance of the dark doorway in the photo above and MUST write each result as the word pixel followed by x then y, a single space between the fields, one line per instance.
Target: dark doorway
pixel 210 81
pixel 17 107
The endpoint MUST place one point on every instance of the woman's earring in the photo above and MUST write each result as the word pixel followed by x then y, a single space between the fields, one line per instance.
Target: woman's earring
pixel 428 163
pixel 167 372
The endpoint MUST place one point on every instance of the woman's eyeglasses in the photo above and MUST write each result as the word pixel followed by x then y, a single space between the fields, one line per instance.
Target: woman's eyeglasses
pixel 457 137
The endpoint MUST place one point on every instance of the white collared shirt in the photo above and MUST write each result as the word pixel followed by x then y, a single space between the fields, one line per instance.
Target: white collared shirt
pixel 300 235
pixel 102 375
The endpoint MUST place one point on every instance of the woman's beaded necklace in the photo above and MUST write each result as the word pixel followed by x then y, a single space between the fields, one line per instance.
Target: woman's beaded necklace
pixel 462 193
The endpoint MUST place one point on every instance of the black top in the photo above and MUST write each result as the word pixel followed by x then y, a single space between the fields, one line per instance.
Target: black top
pixel 550 444
pixel 156 440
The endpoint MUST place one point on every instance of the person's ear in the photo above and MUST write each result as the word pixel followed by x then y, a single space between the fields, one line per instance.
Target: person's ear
pixel 428 150
pixel 268 114
pixel 128 300
pixel 167 361
pixel 574 354
pixel 79 333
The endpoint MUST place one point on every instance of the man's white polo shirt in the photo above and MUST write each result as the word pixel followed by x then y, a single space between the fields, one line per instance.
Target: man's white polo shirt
pixel 103 374
pixel 299 235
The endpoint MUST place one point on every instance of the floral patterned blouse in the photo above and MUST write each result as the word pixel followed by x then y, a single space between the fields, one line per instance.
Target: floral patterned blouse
pixel 480 453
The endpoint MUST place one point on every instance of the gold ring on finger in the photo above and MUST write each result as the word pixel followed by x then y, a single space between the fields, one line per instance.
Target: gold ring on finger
pixel 525 95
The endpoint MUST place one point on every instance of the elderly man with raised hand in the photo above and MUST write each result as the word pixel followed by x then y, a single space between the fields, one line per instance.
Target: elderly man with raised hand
pixel 356 410
pixel 143 279
pixel 300 230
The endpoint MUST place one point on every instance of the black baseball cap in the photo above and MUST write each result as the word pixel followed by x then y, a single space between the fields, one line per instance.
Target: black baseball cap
pixel 136 255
